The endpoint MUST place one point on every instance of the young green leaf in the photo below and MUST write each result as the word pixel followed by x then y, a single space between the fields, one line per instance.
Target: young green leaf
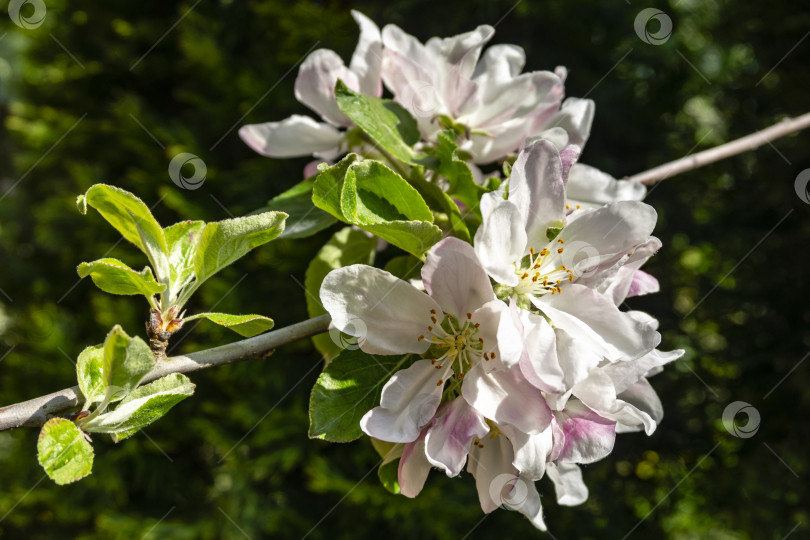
pixel 347 246
pixel 377 199
pixel 386 122
pixel 131 217
pixel 224 242
pixel 181 239
pixel 244 325
pixel 115 277
pixel 388 473
pixel 90 373
pixel 126 361
pixel 304 218
pixel 63 451
pixel 143 406
pixel 349 386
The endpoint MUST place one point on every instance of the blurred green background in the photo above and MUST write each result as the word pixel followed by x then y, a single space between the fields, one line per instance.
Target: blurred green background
pixel 80 96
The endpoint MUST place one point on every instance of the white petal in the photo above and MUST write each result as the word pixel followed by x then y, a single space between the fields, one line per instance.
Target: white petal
pixel 643 398
pixel 642 283
pixel 387 314
pixel 315 85
pixel 367 58
pixel 500 333
pixel 296 136
pixel 597 239
pixel 536 187
pixel 575 117
pixel 449 438
pixel 408 402
pixel 413 467
pixel 493 471
pixel 588 436
pixel 463 50
pixel 567 478
pixel 506 397
pixel 627 373
pixel 540 364
pixel 455 279
pixel 501 62
pixel 500 242
pixel 587 315
pixel 589 184
pixel 531 451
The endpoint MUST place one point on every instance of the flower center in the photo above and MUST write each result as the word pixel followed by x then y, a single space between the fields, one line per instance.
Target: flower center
pixel 540 272
pixel 455 341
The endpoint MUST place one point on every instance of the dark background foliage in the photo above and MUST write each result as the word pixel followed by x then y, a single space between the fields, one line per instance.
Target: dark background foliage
pixel 110 91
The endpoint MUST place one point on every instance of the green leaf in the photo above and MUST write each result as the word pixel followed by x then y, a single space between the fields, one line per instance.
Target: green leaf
pixel 90 373
pixel 349 386
pixel 182 239
pixel 132 218
pixel 244 325
pixel 377 199
pixel 114 277
pixel 386 122
pixel 442 202
pixel 63 451
pixel 458 173
pixel 373 193
pixel 305 219
pixel 415 237
pixel 329 184
pixel 346 247
pixel 224 242
pixel 143 406
pixel 126 361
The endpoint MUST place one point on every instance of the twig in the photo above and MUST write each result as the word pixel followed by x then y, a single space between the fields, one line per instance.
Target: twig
pixel 743 144
pixel 37 411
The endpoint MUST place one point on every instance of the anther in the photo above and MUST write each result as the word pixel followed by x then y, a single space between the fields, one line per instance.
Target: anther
pixel 421 337
pixel 560 250
pixel 469 315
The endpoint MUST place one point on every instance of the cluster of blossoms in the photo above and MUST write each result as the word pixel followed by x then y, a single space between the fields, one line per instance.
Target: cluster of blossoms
pixel 521 364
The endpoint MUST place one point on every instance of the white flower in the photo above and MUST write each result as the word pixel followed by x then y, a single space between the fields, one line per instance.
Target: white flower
pixel 300 135
pixel 459 321
pixel 497 105
pixel 554 276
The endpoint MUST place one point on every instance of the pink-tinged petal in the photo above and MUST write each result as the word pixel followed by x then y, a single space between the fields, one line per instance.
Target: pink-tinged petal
pixel 500 242
pixel 540 364
pixel 408 402
pixel 588 436
pixel 642 283
pixel 500 62
pixel 575 117
pixel 558 441
pixel 569 156
pixel 567 478
pixel 500 333
pixel 506 397
pixel 599 394
pixel 387 314
pixel 587 315
pixel 449 438
pixel 311 168
pixel 315 85
pixel 536 187
pixel 296 136
pixel 367 58
pixel 413 467
pixel 590 185
pixel 531 451
pixel 455 279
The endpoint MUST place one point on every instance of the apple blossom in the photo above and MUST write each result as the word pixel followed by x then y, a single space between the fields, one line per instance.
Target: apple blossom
pixel 300 135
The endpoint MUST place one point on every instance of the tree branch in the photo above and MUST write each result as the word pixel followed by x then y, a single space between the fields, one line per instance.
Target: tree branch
pixel 37 411
pixel 743 144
